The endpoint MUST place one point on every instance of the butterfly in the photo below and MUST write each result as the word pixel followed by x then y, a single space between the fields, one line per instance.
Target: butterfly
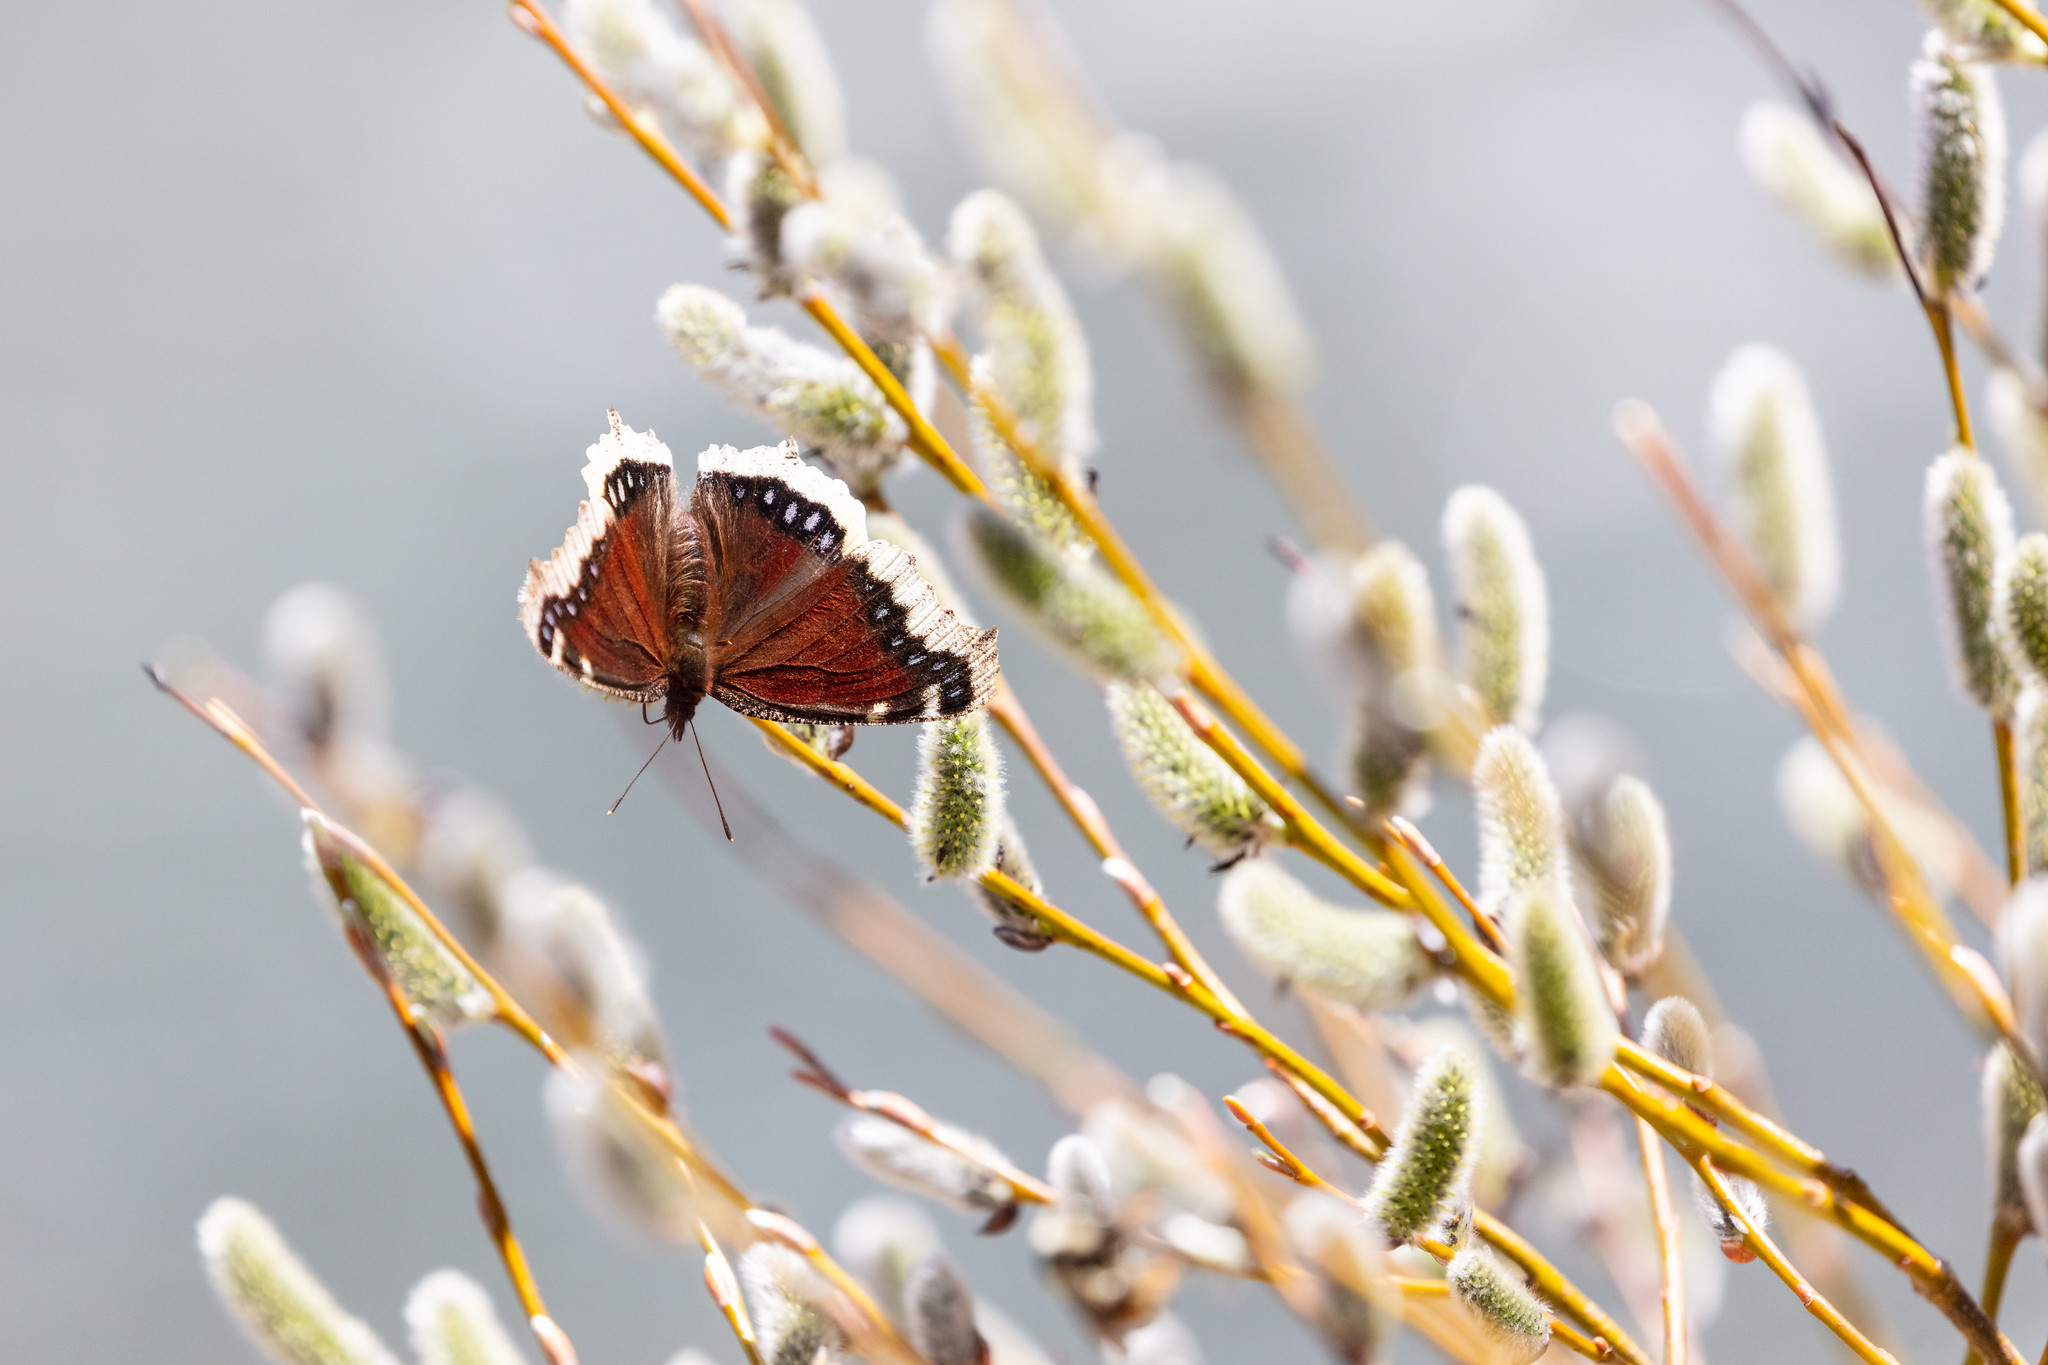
pixel 758 587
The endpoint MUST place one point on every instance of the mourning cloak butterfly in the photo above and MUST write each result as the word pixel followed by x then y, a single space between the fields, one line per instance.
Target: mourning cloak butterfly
pixel 761 590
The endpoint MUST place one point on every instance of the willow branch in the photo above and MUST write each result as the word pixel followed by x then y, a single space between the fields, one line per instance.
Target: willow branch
pixel 1669 1252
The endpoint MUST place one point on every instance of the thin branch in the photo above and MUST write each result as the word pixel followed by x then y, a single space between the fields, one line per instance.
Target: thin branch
pixel 724 1288
pixel 1670 1259
pixel 2009 801
pixel 2007 1231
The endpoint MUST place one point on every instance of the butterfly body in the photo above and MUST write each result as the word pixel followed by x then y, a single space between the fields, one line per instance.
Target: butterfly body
pixel 758 587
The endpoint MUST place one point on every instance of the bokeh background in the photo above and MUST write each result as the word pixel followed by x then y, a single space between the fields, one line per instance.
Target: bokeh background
pixel 341 289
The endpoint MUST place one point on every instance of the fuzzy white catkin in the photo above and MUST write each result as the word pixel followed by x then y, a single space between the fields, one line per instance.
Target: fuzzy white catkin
pixel 896 1156
pixel 938 1313
pixel 658 69
pixel 2032 1159
pixel 2022 433
pixel 287 1314
pixel 1148 1151
pixel 1790 158
pixel 1393 622
pixel 1983 31
pixel 1184 778
pixel 1621 850
pixel 326 664
pixel 1722 1223
pixel 1765 428
pixel 786 1298
pixel 1822 810
pixel 2023 952
pixel 956 813
pixel 1562 1017
pixel 1675 1030
pixel 2012 1100
pixel 2030 765
pixel 1959 164
pixel 881 1240
pixel 471 846
pixel 1165 1340
pixel 1366 958
pixel 795 69
pixel 451 1322
pixel 1968 528
pixel 1082 1219
pixel 1503 602
pixel 1497 1302
pixel 855 242
pixel 1521 821
pixel 613 1158
pixel 566 954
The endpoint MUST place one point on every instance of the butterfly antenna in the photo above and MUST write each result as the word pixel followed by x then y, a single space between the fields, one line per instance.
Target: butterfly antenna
pixel 636 776
pixel 709 783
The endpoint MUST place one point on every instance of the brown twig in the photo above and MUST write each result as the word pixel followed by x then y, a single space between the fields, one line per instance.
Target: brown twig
pixel 1411 838
pixel 1669 1252
pixel 2007 1231
pixel 724 1287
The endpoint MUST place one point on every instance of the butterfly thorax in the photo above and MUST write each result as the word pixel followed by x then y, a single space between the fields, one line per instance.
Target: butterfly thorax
pixel 690 669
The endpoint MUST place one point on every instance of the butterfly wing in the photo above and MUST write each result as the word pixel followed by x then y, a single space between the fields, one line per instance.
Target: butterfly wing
pixel 600 608
pixel 807 619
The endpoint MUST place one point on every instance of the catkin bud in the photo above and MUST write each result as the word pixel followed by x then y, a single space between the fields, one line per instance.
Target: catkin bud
pixel 1959 140
pixel 881 1241
pixel 1164 1340
pixel 1768 435
pixel 788 55
pixel 1723 1224
pixel 1787 155
pixel 1014 925
pixel 1561 1012
pixel 1394 617
pixel 2030 764
pixel 896 1156
pixel 956 815
pixel 787 1301
pixel 1968 525
pixel 660 71
pixel 452 1323
pixel 1622 854
pixel 1982 31
pixel 566 957
pixel 832 409
pixel 1499 1304
pixel 1148 1152
pixel 1823 811
pixel 614 1158
pixel 470 847
pixel 1360 1310
pixel 1675 1030
pixel 1501 1155
pixel 2012 1098
pixel 1503 603
pixel 855 242
pixel 2023 952
pixel 435 982
pixel 1184 778
pixel 1521 823
pixel 761 194
pixel 1369 959
pixel 287 1314
pixel 326 665
pixel 1072 601
pixel 938 1312
pixel 2032 1159
pixel 2022 428
pixel 1423 1177
pixel 2022 604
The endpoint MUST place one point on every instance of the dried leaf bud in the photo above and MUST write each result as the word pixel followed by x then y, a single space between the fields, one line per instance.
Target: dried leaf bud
pixel 1725 1227
pixel 1982 31
pixel 287 1314
pixel 1768 436
pixel 1424 1176
pixel 452 1323
pixel 760 195
pixel 568 959
pixel 663 73
pixel 2022 604
pixel 787 1301
pixel 938 1313
pixel 326 665
pixel 2012 1099
pixel 835 412
pixel 1968 525
pixel 470 847
pixel 1394 618
pixel 1561 1012
pixel 789 56
pixel 1675 1030
pixel 1622 853
pixel 1521 823
pixel 1959 140
pixel 1503 603
pixel 2023 952
pixel 1015 926
pixel 2022 431
pixel 881 1240
pixel 896 1156
pixel 2030 763
pixel 615 1159
pixel 1184 778
pixel 2032 1159
pixel 1070 600
pixel 434 981
pixel 1787 155
pixel 1367 958
pixel 956 814
pixel 1497 1301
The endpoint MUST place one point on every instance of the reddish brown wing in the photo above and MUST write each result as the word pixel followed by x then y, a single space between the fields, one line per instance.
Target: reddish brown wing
pixel 600 607
pixel 807 620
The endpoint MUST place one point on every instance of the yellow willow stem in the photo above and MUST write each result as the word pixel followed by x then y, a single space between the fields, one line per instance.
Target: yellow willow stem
pixel 2007 1232
pixel 2027 16
pixel 1939 319
pixel 2009 802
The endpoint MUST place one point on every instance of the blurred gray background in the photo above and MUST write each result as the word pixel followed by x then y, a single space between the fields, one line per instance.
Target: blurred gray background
pixel 342 288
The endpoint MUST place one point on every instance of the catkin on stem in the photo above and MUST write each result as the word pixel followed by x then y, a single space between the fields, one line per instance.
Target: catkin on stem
pixel 2021 608
pixel 2023 952
pixel 1968 526
pixel 2030 765
pixel 1959 141
pixel 1562 1016
pixel 881 1240
pixel 789 57
pixel 1790 158
pixel 1497 1301
pixel 1014 925
pixel 326 664
pixel 956 815
pixel 1675 1030
pixel 1070 600
pixel 1184 778
pixel 287 1314
pixel 567 957
pixel 1981 30
pixel 451 1322
pixel 2012 1100
pixel 1763 422
pixel 615 1160
pixel 1521 821
pixel 1425 1174
pixel 786 1299
pixel 896 1156
pixel 665 74
pixel 1367 958
pixel 1393 618
pixel 938 1312
pixel 1502 600
pixel 1621 850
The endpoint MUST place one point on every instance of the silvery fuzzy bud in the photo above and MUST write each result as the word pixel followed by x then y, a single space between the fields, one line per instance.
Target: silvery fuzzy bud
pixel 1968 525
pixel 614 1158
pixel 760 195
pixel 788 1302
pixel 2021 608
pixel 1148 1152
pixel 287 1314
pixel 2022 432
pixel 1521 821
pixel 1959 139
pixel 662 72
pixel 1360 1311
pixel 2023 952
pixel 789 57
pixel 1070 600
pixel 1726 1228
pixel 326 665
pixel 938 1314
pixel 1425 1175
pixel 1165 1340
pixel 1184 778
pixel 1082 1219
pixel 896 1156
pixel 2030 764
pixel 1502 600
pixel 880 1240
pixel 2032 1159
pixel 1562 1016
pixel 470 847
pixel 1394 617
pixel 1497 1301
pixel 1014 925
pixel 567 958
pixel 1621 851
pixel 855 241
pixel 834 410
pixel 2012 1100
pixel 1212 1246
pixel 1824 813
pixel 1366 958
pixel 434 981
pixel 956 814
pixel 1768 435
pixel 452 1323
pixel 1107 1276
pixel 1980 30
pixel 1008 1343
pixel 1786 154
pixel 1675 1030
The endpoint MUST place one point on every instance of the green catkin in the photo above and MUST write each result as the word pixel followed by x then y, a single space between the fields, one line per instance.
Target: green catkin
pixel 1768 436
pixel 2012 1098
pixel 1073 601
pixel 1366 958
pixel 1424 1176
pixel 452 1322
pixel 956 815
pixel 1183 777
pixel 1499 1304
pixel 1981 30
pixel 287 1314
pixel 1968 526
pixel 1521 821
pixel 2030 762
pixel 657 69
pixel 1562 1017
pixel 435 982
pixel 1394 615
pixel 784 1298
pixel 1622 854
pixel 2022 605
pixel 1014 925
pixel 1501 1155
pixel 1675 1030
pixel 1959 142
pixel 1787 155
pixel 1502 600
